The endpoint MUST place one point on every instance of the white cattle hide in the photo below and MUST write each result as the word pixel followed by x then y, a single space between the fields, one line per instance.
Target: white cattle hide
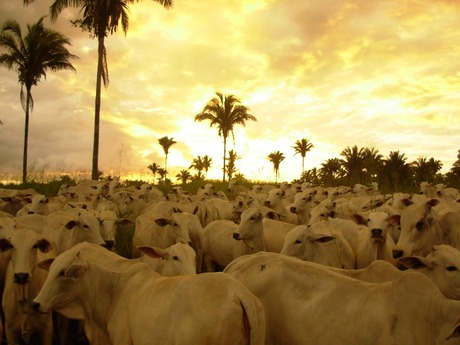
pixel 156 230
pixel 23 281
pixel 306 303
pixel 224 240
pixel 145 308
pixel 322 243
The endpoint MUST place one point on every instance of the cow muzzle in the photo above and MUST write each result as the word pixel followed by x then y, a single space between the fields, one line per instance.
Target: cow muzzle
pixel 21 278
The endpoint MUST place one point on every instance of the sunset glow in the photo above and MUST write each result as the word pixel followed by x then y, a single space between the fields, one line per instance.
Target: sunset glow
pixel 383 74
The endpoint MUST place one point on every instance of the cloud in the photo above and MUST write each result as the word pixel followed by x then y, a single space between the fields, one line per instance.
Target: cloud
pixel 338 72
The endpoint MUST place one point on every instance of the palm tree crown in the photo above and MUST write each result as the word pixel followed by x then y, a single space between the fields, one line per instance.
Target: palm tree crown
pixel 276 158
pixel 224 112
pixel 166 143
pixel 40 50
pixel 301 147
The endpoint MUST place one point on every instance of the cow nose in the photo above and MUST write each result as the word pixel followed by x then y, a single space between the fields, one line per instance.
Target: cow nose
pixel 35 306
pixel 21 278
pixel 293 209
pixel 397 253
pixel 377 232
pixel 236 236
pixel 109 244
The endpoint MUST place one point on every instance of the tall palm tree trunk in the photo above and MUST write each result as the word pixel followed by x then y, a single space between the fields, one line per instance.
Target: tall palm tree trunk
pixel 225 153
pixel 26 137
pixel 166 166
pixel 97 109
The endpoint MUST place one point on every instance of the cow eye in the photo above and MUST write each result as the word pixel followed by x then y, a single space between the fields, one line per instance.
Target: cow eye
pixel 451 268
pixel 175 257
pixel 297 242
pixel 420 224
pixel 86 226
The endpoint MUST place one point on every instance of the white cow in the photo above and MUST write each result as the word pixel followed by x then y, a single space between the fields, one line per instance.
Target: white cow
pixel 322 243
pixel 276 201
pixel 156 230
pixel 145 308
pixel 374 241
pixel 178 259
pixel 23 282
pixel 109 221
pixel 40 204
pixel 64 229
pixel 442 266
pixel 306 303
pixel 224 240
pixel 423 226
pixel 302 206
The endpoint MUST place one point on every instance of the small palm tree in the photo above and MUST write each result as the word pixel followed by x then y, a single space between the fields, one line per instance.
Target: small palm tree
pixel 301 147
pixel 207 162
pixel 198 165
pixel 231 168
pixel 184 176
pixel 276 158
pixel 224 112
pixel 166 143
pixel 40 50
pixel 154 169
pixel 162 172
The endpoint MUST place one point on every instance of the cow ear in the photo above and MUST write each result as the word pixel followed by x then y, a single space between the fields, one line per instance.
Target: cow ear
pixel 5 245
pixel 358 219
pixel 45 264
pixel 394 219
pixel 413 262
pixel 156 253
pixel 162 221
pixel 75 271
pixel 70 225
pixel 44 245
pixel 321 238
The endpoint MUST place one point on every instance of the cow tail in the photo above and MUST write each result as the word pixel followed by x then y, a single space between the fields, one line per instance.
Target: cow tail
pixel 253 318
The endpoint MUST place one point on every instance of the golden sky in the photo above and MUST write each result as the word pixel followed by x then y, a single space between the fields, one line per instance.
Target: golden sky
pixel 374 73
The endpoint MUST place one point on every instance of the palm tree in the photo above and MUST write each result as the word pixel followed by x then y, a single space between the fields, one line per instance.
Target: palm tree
pixel 162 172
pixel 425 170
pixel 453 175
pixel 231 168
pixel 372 161
pixel 331 170
pixel 276 158
pixel 207 162
pixel 154 169
pixel 197 164
pixel 183 176
pixel 395 170
pixel 100 18
pixel 40 50
pixel 225 111
pixel 166 143
pixel 353 163
pixel 301 147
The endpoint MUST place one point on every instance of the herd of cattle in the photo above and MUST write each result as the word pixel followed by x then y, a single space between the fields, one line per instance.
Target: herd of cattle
pixel 285 265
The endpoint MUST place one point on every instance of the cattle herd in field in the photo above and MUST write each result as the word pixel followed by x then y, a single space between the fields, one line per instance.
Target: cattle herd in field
pixel 275 264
